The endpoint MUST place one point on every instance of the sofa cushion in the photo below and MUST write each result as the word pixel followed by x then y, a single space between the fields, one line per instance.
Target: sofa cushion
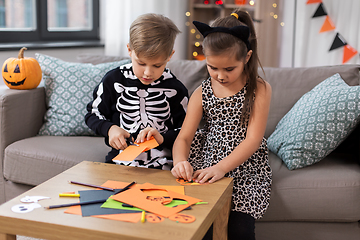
pixel 328 191
pixel 34 160
pixel 69 87
pixel 317 123
pixel 289 84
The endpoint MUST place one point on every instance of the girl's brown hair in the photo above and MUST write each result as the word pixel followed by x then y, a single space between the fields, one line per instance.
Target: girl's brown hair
pixel 152 35
pixel 218 43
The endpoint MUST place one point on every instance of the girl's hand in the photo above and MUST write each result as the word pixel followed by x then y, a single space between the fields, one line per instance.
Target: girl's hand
pixel 211 174
pixel 183 170
pixel 117 137
pixel 147 133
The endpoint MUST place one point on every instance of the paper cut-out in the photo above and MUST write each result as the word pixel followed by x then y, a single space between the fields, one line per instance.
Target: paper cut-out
pixel 137 198
pixel 153 218
pixel 32 199
pixel 131 152
pixel 25 208
pixel 110 203
pixel 186 182
pixel 183 218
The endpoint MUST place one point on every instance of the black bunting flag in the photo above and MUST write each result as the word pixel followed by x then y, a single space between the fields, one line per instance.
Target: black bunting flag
pixel 339 41
pixel 320 11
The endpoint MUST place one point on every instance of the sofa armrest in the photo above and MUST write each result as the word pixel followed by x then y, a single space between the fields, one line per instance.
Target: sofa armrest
pixel 21 115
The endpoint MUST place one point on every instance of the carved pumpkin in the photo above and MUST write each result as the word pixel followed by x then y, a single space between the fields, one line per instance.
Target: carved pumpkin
pixel 21 73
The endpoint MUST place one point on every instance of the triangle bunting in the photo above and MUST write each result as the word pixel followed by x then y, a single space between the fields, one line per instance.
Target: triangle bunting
pixel 349 52
pixel 339 41
pixel 313 1
pixel 328 25
pixel 320 11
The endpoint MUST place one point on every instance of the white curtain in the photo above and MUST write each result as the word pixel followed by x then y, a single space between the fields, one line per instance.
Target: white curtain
pixel 304 46
pixel 119 14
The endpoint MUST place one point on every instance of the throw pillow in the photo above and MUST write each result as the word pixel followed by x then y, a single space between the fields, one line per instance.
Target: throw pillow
pixel 68 88
pixel 319 121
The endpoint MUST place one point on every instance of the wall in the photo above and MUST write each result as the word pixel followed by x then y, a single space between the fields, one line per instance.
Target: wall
pixel 66 54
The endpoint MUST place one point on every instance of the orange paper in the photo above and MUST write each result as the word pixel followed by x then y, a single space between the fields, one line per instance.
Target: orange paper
pixel 183 218
pixel 328 25
pixel 186 182
pixel 349 52
pixel 136 197
pixel 117 185
pixel 131 152
pixel 313 1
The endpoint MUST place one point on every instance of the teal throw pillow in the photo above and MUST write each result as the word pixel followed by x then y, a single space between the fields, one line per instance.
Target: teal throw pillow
pixel 319 121
pixel 68 88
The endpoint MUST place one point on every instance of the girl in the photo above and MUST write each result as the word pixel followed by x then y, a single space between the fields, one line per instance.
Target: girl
pixel 234 103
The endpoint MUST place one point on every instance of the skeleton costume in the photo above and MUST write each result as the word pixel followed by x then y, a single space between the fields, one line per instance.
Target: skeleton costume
pixel 121 99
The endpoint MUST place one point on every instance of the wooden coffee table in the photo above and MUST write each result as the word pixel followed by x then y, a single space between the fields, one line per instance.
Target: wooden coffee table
pixel 55 224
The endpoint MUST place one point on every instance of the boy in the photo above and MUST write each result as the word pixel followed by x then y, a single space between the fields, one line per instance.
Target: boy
pixel 141 99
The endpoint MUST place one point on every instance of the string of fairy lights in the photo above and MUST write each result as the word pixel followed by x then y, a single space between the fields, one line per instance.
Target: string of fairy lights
pixel 240 3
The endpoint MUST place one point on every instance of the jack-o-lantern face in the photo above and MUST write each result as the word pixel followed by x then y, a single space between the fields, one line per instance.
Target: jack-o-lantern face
pixel 21 73
pixel 13 77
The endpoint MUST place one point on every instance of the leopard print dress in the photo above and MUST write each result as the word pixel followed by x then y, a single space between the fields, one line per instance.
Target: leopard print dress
pixel 222 132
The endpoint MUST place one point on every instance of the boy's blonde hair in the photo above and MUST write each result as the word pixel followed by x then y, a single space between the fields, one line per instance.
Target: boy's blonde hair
pixel 152 35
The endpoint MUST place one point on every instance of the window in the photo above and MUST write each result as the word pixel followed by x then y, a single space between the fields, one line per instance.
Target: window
pixel 48 20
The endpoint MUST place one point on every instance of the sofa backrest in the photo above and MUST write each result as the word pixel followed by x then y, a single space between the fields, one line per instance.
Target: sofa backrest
pixel 289 84
pixel 190 72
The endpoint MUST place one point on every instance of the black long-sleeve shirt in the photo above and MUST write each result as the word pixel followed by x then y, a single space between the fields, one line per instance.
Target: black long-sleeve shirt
pixel 121 99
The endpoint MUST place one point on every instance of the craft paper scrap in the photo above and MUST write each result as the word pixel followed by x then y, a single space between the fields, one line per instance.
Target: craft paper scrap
pixel 118 184
pixel 136 197
pixel 153 218
pixel 125 217
pixel 183 218
pixel 131 152
pixel 186 182
pixel 111 203
pixel 96 209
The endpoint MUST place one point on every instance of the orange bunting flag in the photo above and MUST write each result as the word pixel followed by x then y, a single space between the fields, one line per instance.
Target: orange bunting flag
pixel 313 1
pixel 349 52
pixel 327 26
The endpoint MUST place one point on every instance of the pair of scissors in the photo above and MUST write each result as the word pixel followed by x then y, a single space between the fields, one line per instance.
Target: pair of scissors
pixel 129 141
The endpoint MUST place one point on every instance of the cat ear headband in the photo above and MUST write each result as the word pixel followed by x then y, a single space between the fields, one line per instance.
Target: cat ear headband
pixel 241 32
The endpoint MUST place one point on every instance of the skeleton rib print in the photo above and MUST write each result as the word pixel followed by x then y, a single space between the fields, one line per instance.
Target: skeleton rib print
pixel 148 108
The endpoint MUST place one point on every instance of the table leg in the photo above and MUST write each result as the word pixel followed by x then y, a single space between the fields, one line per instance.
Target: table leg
pixel 220 224
pixel 4 236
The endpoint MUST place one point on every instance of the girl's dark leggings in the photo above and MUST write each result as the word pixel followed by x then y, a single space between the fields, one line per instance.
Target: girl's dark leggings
pixel 241 227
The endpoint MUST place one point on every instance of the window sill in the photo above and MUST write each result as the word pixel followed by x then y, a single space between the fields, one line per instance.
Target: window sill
pixel 47 45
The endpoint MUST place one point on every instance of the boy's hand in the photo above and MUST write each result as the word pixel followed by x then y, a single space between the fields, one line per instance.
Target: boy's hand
pixel 211 174
pixel 117 137
pixel 147 133
pixel 183 170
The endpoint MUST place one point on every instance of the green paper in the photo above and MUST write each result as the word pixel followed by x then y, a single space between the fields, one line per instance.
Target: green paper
pixel 111 203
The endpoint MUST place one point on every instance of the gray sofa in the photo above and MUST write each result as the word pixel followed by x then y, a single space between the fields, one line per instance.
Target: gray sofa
pixel 321 201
